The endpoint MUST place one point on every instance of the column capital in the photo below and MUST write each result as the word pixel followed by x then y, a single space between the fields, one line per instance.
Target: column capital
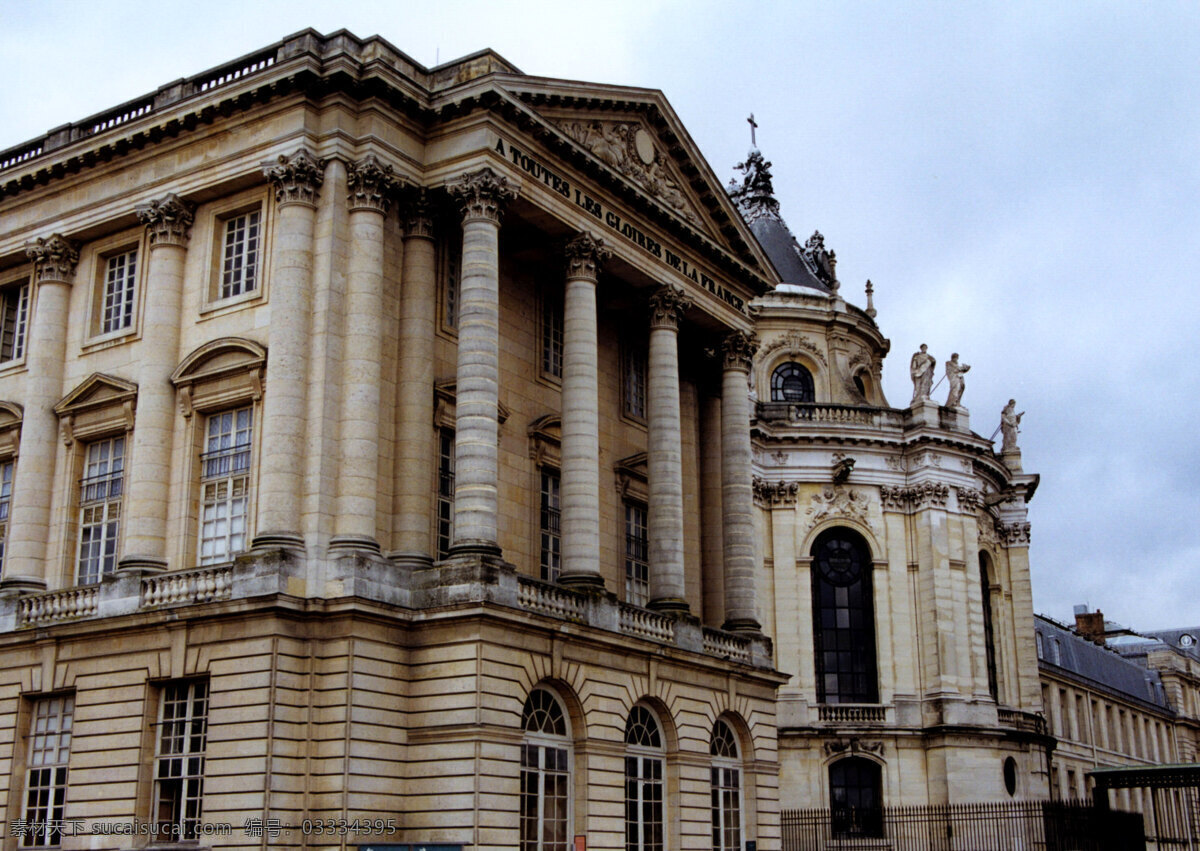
pixel 667 305
pixel 168 220
pixel 54 258
pixel 482 195
pixel 738 349
pixel 371 184
pixel 296 178
pixel 586 253
pixel 417 215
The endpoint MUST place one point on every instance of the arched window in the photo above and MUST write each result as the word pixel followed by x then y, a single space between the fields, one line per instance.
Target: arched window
pixel 545 774
pixel 989 635
pixel 843 618
pixel 726 789
pixel 856 798
pixel 791 382
pixel 644 826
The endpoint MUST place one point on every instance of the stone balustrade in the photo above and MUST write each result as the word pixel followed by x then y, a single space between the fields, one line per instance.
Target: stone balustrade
pixel 843 713
pixel 819 413
pixel 726 645
pixel 67 604
pixel 1025 721
pixel 547 599
pixel 188 587
pixel 646 624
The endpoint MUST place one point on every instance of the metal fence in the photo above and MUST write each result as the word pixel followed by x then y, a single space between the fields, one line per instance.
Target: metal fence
pixel 1004 826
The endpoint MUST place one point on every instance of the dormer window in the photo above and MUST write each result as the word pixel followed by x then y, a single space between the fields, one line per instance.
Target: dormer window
pixel 791 382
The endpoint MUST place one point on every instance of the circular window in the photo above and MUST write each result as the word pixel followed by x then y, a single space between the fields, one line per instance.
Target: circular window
pixel 1187 640
pixel 792 383
pixel 1010 776
pixel 839 560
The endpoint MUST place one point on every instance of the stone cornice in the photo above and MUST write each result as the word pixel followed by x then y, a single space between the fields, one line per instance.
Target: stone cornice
pixel 586 253
pixel 168 220
pixel 667 305
pixel 297 178
pixel 482 195
pixel 371 185
pixel 54 258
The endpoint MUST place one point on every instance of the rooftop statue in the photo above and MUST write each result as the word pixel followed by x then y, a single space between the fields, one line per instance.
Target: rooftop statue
pixel 1009 422
pixel 955 372
pixel 921 369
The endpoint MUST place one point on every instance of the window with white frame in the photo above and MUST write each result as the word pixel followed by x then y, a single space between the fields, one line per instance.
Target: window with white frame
pixel 551 550
pixel 726 789
pixel 100 492
pixel 545 774
pixel 633 382
pixel 241 248
pixel 14 320
pixel 644 816
pixel 637 555
pixel 120 279
pixel 6 482
pixel 225 484
pixel 46 770
pixel 179 760
pixel 552 336
pixel 445 492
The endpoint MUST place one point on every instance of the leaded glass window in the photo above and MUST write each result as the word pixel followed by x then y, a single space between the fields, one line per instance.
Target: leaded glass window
pixel 843 619
pixel 792 382
pixel 855 798
pixel 989 634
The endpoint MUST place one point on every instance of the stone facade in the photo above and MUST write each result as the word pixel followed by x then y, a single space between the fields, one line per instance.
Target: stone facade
pixel 362 428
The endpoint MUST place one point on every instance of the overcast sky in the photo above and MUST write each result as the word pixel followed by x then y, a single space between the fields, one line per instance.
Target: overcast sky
pixel 1020 180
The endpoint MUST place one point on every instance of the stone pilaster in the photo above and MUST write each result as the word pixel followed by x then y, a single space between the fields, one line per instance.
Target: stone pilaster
pixel 481 195
pixel 415 447
pixel 297 180
pixel 168 228
pixel 737 495
pixel 371 185
pixel 581 414
pixel 664 460
pixel 54 261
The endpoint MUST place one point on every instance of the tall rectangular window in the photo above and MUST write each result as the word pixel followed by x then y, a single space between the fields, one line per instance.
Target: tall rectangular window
pixel 225 485
pixel 445 492
pixel 633 382
pixel 551 560
pixel 120 276
pixel 14 318
pixel 637 564
pixel 449 273
pixel 552 336
pixel 6 481
pixel 179 761
pixel 46 770
pixel 240 254
pixel 100 493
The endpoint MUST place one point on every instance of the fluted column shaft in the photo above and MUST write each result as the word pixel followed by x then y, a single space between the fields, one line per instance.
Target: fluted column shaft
pixel 168 229
pixel 580 474
pixel 477 425
pixel 54 270
pixel 414 392
pixel 296 179
pixel 371 184
pixel 737 496
pixel 664 460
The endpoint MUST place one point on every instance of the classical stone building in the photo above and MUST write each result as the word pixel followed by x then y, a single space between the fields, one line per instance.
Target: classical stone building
pixel 895 542
pixel 375 459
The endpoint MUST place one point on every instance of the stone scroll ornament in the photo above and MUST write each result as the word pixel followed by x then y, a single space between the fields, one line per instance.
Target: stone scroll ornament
pixel 168 220
pixel 667 306
pixel 371 185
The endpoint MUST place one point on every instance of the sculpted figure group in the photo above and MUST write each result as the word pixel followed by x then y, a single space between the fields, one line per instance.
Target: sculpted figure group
pixel 921 369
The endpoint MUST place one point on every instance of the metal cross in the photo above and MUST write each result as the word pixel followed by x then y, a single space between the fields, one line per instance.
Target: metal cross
pixel 753 126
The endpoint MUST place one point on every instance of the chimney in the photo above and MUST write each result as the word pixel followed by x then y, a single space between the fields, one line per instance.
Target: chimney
pixel 1090 624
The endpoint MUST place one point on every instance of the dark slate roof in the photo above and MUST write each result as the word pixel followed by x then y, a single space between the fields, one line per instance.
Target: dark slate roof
pixel 1065 649
pixel 779 244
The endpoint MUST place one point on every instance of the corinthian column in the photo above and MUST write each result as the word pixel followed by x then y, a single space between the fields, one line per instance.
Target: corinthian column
pixel 371 186
pixel 482 195
pixel 414 387
pixel 581 415
pixel 737 496
pixel 297 180
pixel 664 459
pixel 54 261
pixel 168 228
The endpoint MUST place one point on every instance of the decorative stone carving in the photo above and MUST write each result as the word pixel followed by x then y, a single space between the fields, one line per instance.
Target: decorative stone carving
pixel 775 493
pixel 371 185
pixel 1009 426
pixel 794 342
pixel 168 220
pixel 779 457
pixel 417 216
pixel 821 261
pixel 667 305
pixel 1015 534
pixel 297 179
pixel 921 369
pixel 838 501
pixel 898 498
pixel 54 258
pixel 855 745
pixel 755 197
pixel 954 374
pixel 586 253
pixel 630 149
pixel 986 532
pixel 739 348
pixel 842 467
pixel 482 194
pixel 895 464
pixel 969 499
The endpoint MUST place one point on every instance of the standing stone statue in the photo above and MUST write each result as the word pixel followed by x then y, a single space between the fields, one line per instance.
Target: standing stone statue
pixel 955 372
pixel 921 370
pixel 1008 426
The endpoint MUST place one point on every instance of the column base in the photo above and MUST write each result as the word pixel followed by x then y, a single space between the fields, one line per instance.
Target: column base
pixel 582 581
pixel 474 548
pixel 341 543
pixel 16 585
pixel 277 541
pixel 670 606
pixel 742 625
pixel 141 565
pixel 413 561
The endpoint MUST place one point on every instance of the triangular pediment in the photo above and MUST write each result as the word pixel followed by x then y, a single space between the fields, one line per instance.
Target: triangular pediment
pixel 97 390
pixel 635 135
